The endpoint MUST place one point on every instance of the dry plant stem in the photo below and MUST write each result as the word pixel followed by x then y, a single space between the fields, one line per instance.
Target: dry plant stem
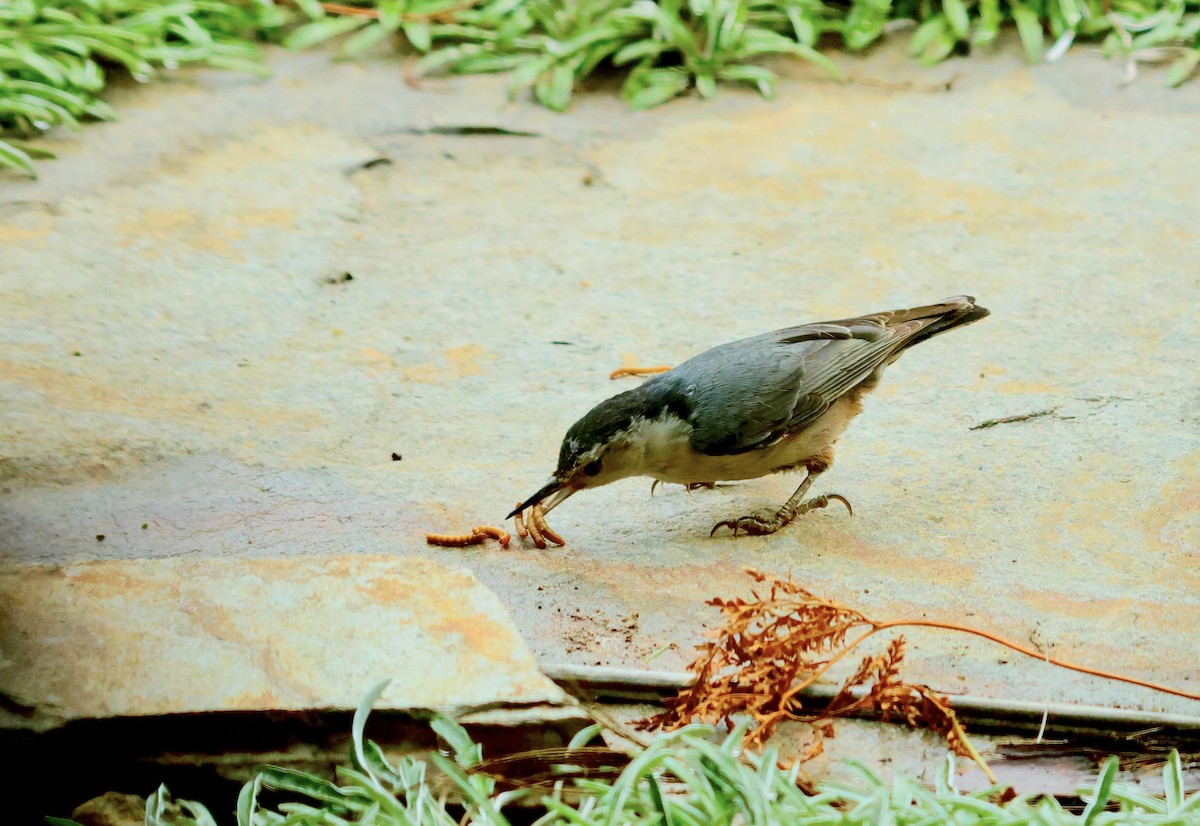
pixel 622 372
pixel 772 646
pixel 355 11
pixel 1028 652
pixel 950 626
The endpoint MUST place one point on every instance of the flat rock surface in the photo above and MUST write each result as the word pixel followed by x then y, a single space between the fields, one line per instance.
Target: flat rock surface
pixel 186 634
pixel 191 381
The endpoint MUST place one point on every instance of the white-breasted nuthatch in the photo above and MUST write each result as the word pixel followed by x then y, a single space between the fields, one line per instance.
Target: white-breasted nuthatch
pixel 742 410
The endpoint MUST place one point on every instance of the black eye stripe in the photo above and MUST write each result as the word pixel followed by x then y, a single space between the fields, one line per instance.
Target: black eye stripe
pixel 592 467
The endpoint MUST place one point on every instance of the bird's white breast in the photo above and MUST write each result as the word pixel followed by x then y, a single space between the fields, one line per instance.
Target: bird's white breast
pixel 661 449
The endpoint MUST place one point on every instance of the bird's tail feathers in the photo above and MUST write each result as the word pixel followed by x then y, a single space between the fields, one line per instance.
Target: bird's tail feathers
pixel 940 317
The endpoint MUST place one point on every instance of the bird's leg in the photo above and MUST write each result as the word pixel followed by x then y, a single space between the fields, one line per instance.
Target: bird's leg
pixel 759 525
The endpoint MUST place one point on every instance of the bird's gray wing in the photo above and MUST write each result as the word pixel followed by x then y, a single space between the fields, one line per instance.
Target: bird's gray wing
pixel 758 391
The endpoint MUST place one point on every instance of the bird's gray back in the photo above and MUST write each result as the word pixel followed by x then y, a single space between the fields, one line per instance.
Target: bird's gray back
pixel 749 394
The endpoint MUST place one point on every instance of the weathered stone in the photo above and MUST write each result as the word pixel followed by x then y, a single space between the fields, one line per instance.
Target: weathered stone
pixel 172 636
pixel 228 401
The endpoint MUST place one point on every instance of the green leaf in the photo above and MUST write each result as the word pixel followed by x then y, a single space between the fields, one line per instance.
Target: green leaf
pixel 1101 791
pixel 585 735
pixel 926 33
pixel 813 56
pixel 803 27
pixel 359 725
pixel 365 38
pixel 761 77
pixel 553 89
pixel 321 30
pixel 1030 29
pixel 956 14
pixel 485 63
pixel 706 85
pixel 660 801
pixel 61 821
pixel 757 41
pixel 864 23
pixel 466 751
pixel 988 27
pixel 941 48
pixel 291 780
pixel 1071 12
pixel 746 73
pixel 130 59
pixel 156 806
pixel 1183 68
pixel 247 803
pixel 312 8
pixel 199 813
pixel 652 87
pixel 33 61
pixel 1173 781
pixel 590 58
pixel 418 35
pixel 447 58
pixel 60 96
pixel 527 74
pixel 638 50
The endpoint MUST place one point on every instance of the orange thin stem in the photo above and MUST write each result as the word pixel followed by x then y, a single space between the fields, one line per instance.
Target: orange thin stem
pixel 337 8
pixel 1029 652
pixel 987 635
pixel 358 11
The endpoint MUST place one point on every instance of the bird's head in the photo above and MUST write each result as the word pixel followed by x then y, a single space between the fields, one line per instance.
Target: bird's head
pixel 608 444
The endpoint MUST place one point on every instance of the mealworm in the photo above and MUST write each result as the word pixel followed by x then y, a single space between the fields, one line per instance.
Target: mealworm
pixel 539 518
pixel 522 533
pixel 495 533
pixel 535 530
pixel 621 372
pixel 452 540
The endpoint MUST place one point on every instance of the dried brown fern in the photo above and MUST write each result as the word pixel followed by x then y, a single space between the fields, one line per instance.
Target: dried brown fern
pixel 771 647
pixel 765 646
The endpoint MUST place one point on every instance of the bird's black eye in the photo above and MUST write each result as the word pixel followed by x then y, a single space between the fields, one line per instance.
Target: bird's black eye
pixel 592 467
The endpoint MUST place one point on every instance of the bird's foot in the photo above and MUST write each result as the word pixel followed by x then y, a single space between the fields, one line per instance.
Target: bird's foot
pixel 761 524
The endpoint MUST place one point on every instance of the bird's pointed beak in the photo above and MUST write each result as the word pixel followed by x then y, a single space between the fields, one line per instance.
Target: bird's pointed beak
pixel 552 494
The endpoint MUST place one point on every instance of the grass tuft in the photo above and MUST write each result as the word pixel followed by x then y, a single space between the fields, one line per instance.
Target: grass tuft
pixel 690 777
pixel 56 55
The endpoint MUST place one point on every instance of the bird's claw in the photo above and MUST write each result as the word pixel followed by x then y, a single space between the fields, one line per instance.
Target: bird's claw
pixel 752 525
pixel 826 498
pixel 756 525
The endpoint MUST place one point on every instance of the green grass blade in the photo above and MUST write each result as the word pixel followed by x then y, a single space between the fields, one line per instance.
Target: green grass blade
pixel 1029 26
pixel 1101 791
pixel 14 158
